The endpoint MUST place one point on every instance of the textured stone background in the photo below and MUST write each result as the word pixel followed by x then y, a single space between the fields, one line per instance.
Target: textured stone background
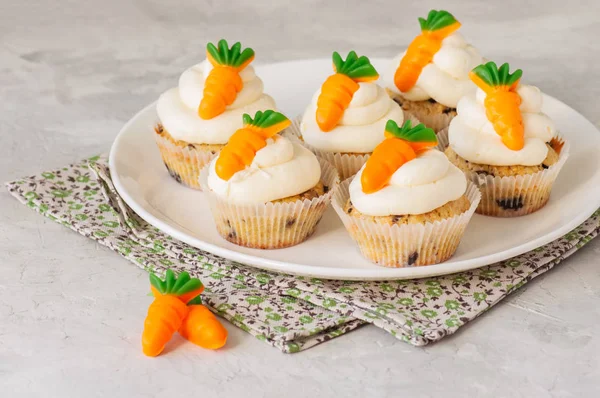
pixel 72 72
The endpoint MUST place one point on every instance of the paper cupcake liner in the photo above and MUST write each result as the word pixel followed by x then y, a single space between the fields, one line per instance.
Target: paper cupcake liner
pixel 443 140
pixel 436 121
pixel 347 164
pixel 272 225
pixel 518 195
pixel 406 245
pixel 183 163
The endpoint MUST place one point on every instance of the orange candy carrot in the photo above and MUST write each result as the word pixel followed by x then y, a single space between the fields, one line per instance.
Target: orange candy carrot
pixel 202 328
pixel 402 144
pixel 224 82
pixel 244 143
pixel 168 310
pixel 339 88
pixel 502 102
pixel 434 29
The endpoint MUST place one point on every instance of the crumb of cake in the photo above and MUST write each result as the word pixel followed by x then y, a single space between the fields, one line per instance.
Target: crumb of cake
pixel 450 209
pixel 501 171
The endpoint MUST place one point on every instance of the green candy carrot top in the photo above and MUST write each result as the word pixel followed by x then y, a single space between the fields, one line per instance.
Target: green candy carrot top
pixel 224 81
pixel 244 143
pixel 502 102
pixel 182 286
pixel 402 144
pixel 338 89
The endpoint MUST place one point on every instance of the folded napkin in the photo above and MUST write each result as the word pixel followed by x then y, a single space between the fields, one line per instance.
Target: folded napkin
pixel 291 313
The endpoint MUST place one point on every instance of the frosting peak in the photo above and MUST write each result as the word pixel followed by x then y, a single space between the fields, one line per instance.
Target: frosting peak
pixel 279 170
pixel 178 108
pixel 421 185
pixel 338 90
pixel 473 137
pixel 445 77
pixel 361 127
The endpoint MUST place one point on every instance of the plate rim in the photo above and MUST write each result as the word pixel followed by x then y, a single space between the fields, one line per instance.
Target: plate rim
pixel 322 272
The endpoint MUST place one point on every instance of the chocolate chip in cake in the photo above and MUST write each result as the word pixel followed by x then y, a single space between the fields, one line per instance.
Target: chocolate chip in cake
pixel 395 219
pixel 413 258
pixel 231 235
pixel 173 174
pixel 431 101
pixel 511 204
pixel 290 222
pixel 325 189
pixel 349 211
pixel 483 173
pixel 191 146
pixel 544 166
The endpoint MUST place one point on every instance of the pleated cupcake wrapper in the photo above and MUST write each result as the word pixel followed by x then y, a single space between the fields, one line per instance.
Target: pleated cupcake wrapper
pixel 183 163
pixel 347 164
pixel 437 121
pixel 405 245
pixel 443 139
pixel 270 225
pixel 518 195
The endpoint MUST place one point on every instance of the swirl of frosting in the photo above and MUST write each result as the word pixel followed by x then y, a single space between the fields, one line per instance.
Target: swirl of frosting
pixel 473 137
pixel 446 78
pixel 279 170
pixel 362 125
pixel 177 108
pixel 421 185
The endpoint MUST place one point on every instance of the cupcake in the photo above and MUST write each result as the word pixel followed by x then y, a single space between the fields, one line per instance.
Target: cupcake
pixel 198 117
pixel 408 205
pixel 266 191
pixel 346 118
pixel 505 144
pixel 429 78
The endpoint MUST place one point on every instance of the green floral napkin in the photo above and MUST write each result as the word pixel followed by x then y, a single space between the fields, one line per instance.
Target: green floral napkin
pixel 288 312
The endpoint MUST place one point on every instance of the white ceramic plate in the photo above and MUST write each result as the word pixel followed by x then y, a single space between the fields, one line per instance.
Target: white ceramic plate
pixel 142 180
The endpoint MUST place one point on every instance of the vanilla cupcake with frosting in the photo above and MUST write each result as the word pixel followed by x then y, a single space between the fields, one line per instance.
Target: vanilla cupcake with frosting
pixel 267 191
pixel 504 142
pixel 430 77
pixel 408 205
pixel 199 115
pixel 346 117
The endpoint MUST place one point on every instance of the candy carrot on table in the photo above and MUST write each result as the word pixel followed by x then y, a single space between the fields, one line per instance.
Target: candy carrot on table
pixel 402 144
pixel 339 88
pixel 224 81
pixel 202 328
pixel 502 102
pixel 420 52
pixel 244 143
pixel 168 310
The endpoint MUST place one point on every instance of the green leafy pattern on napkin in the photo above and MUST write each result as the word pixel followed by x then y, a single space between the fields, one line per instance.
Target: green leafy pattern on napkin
pixel 290 313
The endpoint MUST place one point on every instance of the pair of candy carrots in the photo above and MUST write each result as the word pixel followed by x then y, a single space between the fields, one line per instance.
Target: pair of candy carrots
pixel 176 307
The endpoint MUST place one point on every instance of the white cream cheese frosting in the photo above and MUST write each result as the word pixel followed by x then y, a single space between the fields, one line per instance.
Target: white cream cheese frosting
pixel 362 126
pixel 177 108
pixel 472 135
pixel 279 170
pixel 421 185
pixel 446 78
